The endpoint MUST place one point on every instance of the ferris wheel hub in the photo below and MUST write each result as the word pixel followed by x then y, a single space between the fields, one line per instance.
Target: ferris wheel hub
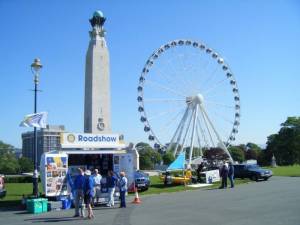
pixel 197 99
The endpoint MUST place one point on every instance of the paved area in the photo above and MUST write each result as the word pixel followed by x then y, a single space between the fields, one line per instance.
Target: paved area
pixel 274 202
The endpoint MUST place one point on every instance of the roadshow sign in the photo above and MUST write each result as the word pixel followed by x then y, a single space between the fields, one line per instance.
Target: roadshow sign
pixel 87 140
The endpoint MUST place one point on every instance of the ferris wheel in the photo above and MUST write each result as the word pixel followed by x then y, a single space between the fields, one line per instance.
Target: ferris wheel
pixel 188 99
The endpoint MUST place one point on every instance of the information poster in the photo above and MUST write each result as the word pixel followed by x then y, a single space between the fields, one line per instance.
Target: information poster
pixel 56 170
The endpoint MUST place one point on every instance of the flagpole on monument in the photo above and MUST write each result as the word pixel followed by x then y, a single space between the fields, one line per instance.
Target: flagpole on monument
pixel 35 68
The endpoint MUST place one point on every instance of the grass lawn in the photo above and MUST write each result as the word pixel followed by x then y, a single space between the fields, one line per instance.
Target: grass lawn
pixel 14 192
pixel 289 171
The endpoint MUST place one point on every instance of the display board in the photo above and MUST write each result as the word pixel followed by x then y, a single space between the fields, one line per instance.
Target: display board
pixel 55 182
pixel 212 176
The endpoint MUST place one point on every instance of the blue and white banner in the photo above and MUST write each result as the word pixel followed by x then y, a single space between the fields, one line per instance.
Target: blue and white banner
pixel 38 120
pixel 87 140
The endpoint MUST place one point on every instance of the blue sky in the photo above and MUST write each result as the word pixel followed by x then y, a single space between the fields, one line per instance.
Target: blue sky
pixel 259 39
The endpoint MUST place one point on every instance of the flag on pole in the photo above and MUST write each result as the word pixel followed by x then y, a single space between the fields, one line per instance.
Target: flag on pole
pixel 35 120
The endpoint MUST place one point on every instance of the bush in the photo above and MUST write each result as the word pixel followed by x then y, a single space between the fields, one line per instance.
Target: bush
pixel 18 179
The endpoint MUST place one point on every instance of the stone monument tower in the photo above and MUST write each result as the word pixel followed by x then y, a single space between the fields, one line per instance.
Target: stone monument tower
pixel 97 80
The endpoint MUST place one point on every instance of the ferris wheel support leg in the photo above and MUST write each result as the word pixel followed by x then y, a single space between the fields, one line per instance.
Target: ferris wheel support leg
pixel 199 141
pixel 187 129
pixel 206 125
pixel 202 133
pixel 216 133
pixel 193 134
pixel 179 128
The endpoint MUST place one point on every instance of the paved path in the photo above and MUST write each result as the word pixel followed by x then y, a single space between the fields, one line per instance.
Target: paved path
pixel 274 202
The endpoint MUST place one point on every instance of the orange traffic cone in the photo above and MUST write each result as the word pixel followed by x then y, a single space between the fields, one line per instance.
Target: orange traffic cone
pixel 136 198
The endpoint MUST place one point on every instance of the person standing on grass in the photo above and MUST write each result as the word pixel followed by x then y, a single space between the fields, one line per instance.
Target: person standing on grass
pixel 123 189
pixel 111 184
pixel 79 193
pixel 89 193
pixel 231 174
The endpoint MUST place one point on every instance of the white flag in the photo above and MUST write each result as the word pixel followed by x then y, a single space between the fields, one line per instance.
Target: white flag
pixel 35 120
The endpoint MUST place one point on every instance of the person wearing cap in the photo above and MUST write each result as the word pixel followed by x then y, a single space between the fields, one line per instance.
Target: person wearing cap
pixel 97 186
pixel 123 189
pixel 89 193
pixel 79 193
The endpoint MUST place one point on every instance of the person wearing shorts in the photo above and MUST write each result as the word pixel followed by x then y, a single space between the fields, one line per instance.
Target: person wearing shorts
pixel 89 193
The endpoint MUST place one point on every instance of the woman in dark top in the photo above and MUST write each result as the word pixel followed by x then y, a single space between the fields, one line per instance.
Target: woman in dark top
pixel 111 184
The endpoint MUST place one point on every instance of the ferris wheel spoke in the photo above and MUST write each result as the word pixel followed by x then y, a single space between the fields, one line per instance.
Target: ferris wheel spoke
pixel 163 100
pixel 184 82
pixel 170 122
pixel 214 86
pixel 171 79
pixel 186 70
pixel 161 114
pixel 206 82
pixel 226 120
pixel 222 117
pixel 219 104
pixel 166 88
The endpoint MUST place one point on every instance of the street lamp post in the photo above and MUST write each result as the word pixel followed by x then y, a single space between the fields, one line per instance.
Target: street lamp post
pixel 35 68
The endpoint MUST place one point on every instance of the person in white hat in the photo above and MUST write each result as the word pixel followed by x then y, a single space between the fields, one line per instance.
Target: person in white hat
pixel 89 193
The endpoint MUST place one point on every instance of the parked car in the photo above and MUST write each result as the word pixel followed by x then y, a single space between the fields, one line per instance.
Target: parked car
pixel 142 180
pixel 2 187
pixel 252 171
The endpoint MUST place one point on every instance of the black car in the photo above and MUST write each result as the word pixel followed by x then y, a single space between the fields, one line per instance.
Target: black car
pixel 252 171
pixel 142 180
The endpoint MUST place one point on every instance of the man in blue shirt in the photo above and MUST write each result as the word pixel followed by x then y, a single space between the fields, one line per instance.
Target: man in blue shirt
pixel 79 193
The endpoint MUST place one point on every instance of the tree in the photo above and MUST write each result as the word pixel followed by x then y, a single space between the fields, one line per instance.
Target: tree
pixel 148 156
pixel 237 153
pixel 215 154
pixel 168 158
pixel 253 151
pixel 26 165
pixel 8 162
pixel 285 145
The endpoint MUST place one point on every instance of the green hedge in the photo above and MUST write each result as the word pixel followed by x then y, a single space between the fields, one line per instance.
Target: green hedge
pixel 23 179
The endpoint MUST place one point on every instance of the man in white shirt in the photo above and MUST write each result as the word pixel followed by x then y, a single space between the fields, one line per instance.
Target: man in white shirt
pixel 97 185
